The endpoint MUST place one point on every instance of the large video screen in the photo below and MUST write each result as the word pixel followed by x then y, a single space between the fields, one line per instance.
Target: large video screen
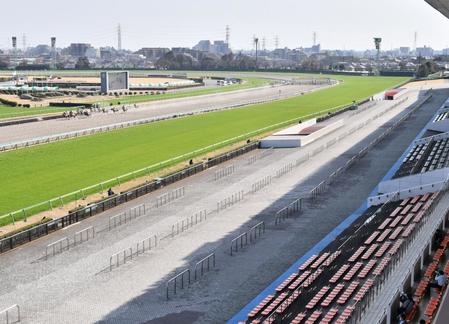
pixel 114 81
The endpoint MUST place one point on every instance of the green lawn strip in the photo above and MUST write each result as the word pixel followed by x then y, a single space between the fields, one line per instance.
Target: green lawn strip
pixel 15 112
pixel 37 174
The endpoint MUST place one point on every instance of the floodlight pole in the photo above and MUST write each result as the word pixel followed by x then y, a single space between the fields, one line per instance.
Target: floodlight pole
pixel 256 42
pixel 377 43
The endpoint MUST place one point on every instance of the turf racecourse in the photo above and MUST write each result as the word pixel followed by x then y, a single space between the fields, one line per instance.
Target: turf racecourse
pixel 36 174
pixel 249 82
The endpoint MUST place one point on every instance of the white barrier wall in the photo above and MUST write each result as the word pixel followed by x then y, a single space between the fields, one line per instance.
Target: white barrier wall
pixel 441 126
pixel 413 181
pixel 304 140
pixel 280 142
pixel 431 138
pixel 290 141
pixel 406 193
pixel 295 130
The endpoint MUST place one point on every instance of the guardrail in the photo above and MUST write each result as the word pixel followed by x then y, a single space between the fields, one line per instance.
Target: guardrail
pixel 10 315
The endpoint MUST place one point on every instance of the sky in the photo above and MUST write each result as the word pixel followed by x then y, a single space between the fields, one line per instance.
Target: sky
pixel 339 24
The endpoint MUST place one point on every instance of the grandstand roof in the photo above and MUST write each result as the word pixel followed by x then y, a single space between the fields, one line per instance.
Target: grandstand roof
pixel 440 5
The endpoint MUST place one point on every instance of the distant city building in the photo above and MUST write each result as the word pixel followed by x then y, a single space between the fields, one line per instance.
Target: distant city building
pixel 404 51
pixel 217 47
pixel 315 49
pixel 107 53
pixel 424 51
pixel 153 53
pixel 220 47
pixel 39 50
pixel 203 46
pixel 78 49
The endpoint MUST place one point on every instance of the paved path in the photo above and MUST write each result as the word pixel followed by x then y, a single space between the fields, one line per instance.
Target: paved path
pixel 73 287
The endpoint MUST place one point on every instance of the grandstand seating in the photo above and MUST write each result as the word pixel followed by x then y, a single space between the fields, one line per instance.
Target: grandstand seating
pixel 430 305
pixel 327 286
pixel 441 116
pixel 425 157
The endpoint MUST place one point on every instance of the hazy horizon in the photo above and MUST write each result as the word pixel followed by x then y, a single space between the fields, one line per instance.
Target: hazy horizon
pixel 344 24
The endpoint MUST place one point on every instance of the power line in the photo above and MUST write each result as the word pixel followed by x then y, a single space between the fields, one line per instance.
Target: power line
pixel 276 42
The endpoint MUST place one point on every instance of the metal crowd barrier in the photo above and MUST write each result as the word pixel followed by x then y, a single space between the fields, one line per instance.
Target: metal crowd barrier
pixel 120 258
pixel 242 240
pixel 253 159
pixel 205 264
pixel 10 315
pixel 259 185
pixel 168 197
pixel 230 201
pixel 256 231
pixel 287 211
pixel 284 170
pixel 239 239
pixel 220 174
pixel 175 279
pixel 127 216
pixel 57 247
pixel 84 235
pixel 188 222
